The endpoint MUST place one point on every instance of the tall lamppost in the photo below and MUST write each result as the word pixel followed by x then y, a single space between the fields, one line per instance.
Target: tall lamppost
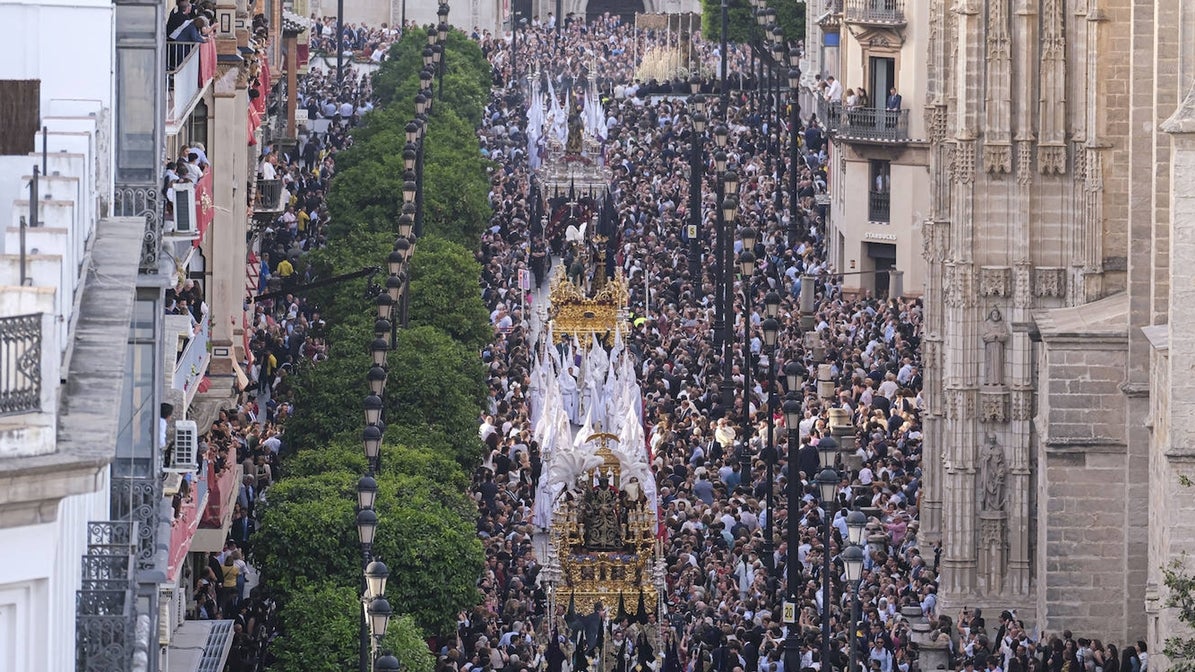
pixel 794 150
pixel 442 43
pixel 852 561
pixel 827 487
pixel 746 272
pixel 376 610
pixel 775 129
pixel 721 135
pixel 729 209
pixel 698 119
pixel 771 333
pixel 724 89
pixel 340 41
pixel 795 375
pixel 515 23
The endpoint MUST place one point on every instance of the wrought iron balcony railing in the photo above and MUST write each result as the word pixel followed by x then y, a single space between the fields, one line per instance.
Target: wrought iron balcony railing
pixel 830 114
pixel 269 196
pixel 20 364
pixel 875 12
pixel 878 206
pixel 874 125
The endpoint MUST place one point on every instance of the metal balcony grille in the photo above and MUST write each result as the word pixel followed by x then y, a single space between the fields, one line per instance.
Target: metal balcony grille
pixel 876 125
pixel 103 608
pixel 20 364
pixel 875 11
pixel 878 206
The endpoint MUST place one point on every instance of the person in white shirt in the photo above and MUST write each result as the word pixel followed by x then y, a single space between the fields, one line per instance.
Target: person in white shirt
pixel 834 95
pixel 268 171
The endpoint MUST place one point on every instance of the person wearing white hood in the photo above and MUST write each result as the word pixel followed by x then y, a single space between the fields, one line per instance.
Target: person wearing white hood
pixel 568 395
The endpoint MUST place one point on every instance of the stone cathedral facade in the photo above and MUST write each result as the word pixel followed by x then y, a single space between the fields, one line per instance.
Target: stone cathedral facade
pixel 1060 301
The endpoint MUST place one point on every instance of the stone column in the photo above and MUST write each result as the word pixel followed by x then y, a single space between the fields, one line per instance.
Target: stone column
pixel 226 241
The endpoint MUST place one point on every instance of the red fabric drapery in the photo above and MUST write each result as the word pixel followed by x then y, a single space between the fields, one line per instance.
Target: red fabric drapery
pixel 207 61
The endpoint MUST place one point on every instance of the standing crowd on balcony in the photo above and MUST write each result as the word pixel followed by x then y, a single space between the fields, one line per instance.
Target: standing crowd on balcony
pixel 361 42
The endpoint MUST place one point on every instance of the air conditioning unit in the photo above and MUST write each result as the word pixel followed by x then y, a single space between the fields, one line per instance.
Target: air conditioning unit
pixel 186 446
pixel 186 222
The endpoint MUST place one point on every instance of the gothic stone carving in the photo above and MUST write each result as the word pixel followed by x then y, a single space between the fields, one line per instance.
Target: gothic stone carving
pixel 1021 292
pixel 994 281
pixel 997 158
pixel 993 405
pixel 964 161
pixel 1051 159
pixel 1022 404
pixel 1025 162
pixel 1049 282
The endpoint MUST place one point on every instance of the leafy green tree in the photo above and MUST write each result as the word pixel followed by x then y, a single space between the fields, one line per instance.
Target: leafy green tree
pixel 441 385
pixel 308 535
pixel 467 78
pixel 321 633
pixel 1180 586
pixel 427 470
pixel 741 26
pixel 445 293
pixel 328 394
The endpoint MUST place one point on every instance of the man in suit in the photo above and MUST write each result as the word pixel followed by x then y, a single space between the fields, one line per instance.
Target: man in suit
pixel 242 527
pixel 894 100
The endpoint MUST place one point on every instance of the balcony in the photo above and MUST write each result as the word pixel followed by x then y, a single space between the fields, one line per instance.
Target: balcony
pixel 191 501
pixel 222 490
pixel 874 126
pixel 268 200
pixel 830 114
pixel 20 364
pixel 878 207
pixel 829 14
pixel 192 357
pixel 875 12
pixel 189 68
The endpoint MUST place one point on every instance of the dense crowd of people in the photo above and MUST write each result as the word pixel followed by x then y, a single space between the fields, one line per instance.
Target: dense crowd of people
pixel 723 588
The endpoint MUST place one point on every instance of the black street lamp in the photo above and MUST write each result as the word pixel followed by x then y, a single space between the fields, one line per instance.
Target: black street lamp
pixel 387 662
pixel 371 443
pixel 795 374
pixel 771 333
pixel 852 560
pixel 725 90
pixel 746 273
pixel 367 493
pixel 698 119
pixel 794 150
pixel 827 487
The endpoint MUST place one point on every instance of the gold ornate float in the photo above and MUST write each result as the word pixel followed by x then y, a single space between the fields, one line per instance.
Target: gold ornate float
pixel 575 314
pixel 604 537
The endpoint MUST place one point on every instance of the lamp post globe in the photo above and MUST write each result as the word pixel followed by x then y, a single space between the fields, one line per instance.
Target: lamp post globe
pixel 367 492
pixel 376 573
pixel 387 662
pixel 367 525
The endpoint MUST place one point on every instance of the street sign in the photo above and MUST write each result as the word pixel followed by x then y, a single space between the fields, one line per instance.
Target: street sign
pixel 692 228
pixel 790 612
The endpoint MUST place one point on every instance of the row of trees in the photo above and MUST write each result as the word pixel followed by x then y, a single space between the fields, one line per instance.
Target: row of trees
pixel 307 549
pixel 740 20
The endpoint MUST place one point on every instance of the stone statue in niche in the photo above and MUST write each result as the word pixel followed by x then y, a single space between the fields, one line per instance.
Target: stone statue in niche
pixel 992 474
pixel 995 335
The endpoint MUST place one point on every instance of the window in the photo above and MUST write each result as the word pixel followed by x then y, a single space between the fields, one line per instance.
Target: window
pixel 879 191
pixel 197 125
pixel 136 436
